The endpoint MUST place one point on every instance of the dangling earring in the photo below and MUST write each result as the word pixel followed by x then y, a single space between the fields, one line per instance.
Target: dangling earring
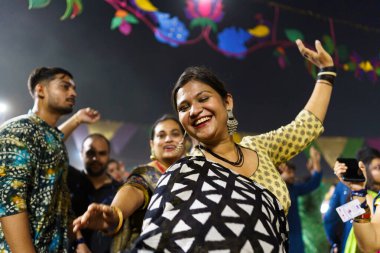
pixel 152 155
pixel 232 123
pixel 180 147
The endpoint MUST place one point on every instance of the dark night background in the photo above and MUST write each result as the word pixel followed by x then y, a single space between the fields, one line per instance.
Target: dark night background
pixel 130 78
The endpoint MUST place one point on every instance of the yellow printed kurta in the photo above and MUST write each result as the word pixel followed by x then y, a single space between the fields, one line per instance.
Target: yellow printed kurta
pixel 279 146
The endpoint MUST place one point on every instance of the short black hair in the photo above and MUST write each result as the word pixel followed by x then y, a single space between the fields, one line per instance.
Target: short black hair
pixel 44 74
pixel 164 118
pixel 367 154
pixel 201 74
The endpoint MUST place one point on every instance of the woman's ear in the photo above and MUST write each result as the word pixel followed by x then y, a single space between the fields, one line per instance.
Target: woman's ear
pixel 229 102
pixel 151 144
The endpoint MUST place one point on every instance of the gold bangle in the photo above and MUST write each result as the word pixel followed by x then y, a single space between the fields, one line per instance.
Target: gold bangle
pixel 120 215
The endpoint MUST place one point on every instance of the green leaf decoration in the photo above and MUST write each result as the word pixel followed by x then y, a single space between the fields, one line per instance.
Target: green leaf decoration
pixel 33 4
pixel 116 22
pixel 293 34
pixel 203 22
pixel 131 19
pixel 69 9
pixel 343 53
pixel 377 70
pixel 328 44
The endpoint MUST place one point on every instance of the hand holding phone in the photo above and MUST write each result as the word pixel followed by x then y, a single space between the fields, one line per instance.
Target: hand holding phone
pixel 353 172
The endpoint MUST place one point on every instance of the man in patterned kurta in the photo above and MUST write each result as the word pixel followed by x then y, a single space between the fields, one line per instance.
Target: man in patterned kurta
pixel 34 200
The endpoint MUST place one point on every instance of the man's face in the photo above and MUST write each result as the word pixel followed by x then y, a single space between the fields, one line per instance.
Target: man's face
pixel 60 94
pixel 95 154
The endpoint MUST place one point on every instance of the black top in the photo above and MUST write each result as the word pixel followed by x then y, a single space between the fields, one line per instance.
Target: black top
pixel 82 194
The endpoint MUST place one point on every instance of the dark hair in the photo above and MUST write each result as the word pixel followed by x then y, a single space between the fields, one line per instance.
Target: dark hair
pixel 100 136
pixel 366 155
pixel 201 74
pixel 112 161
pixel 291 165
pixel 164 118
pixel 44 74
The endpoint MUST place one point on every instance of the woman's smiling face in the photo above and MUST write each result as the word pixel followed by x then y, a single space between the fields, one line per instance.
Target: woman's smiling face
pixel 203 112
pixel 167 136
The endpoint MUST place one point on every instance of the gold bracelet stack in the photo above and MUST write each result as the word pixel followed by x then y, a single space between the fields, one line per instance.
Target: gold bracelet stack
pixel 119 225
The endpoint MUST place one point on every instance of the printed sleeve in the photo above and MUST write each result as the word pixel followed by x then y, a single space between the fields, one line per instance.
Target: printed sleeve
pixel 139 182
pixel 287 141
pixel 15 174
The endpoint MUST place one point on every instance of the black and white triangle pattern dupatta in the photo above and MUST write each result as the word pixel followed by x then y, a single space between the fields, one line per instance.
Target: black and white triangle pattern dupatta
pixel 200 206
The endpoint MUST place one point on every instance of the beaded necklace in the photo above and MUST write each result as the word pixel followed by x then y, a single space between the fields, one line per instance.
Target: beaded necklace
pixel 239 162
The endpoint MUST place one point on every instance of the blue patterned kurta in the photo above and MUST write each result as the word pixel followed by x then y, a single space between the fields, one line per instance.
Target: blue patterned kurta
pixel 33 171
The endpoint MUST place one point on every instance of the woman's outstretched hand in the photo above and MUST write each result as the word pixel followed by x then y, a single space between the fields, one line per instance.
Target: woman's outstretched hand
pixel 320 58
pixel 97 217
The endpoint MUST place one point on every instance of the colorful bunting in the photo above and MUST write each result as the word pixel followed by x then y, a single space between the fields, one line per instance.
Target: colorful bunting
pixel 106 127
pixel 352 146
pixel 331 148
pixel 122 136
pixel 374 143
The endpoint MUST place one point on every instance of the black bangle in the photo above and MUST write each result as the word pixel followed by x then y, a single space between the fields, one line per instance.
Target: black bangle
pixel 327 74
pixel 328 78
pixel 328 69
pixel 78 241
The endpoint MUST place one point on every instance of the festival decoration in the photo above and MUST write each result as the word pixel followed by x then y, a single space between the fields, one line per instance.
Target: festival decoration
pixel 203 19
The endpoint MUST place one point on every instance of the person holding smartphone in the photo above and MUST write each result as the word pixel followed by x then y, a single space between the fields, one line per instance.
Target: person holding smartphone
pixel 365 234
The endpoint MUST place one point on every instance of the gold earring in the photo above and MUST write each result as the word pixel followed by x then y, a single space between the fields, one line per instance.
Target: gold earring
pixel 152 155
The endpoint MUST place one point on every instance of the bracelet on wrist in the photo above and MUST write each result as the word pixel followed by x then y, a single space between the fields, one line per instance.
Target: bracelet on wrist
pixel 359 193
pixel 78 241
pixel 365 217
pixel 326 75
pixel 120 222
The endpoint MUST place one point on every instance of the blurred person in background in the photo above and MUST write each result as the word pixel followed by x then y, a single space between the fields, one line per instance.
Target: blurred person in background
pixel 297 189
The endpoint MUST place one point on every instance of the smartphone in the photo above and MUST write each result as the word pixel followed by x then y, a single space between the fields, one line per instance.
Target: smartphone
pixel 353 172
